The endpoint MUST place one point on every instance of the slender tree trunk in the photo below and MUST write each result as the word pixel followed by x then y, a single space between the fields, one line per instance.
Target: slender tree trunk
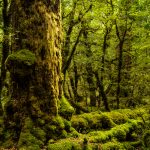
pixel 5 49
pixel 121 36
pixel 119 73
pixel 102 92
pixel 90 75
pixel 35 62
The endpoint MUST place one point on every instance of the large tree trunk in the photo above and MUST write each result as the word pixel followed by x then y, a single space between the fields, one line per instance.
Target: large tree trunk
pixel 35 62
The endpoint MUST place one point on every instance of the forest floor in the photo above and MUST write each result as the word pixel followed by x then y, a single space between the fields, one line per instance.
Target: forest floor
pixel 121 129
pixel 125 129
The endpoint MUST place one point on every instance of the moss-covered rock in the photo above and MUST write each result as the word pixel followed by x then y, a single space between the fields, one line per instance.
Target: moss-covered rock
pixel 66 110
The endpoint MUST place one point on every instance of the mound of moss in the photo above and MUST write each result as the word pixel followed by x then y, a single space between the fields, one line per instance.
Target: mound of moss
pixel 91 121
pixel 22 62
pixel 119 132
pixel 31 137
pixel 66 144
pixel 66 110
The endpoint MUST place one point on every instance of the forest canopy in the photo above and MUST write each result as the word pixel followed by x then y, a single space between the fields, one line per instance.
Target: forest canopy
pixel 74 74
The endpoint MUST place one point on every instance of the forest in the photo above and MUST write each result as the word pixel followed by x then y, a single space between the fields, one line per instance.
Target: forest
pixel 74 75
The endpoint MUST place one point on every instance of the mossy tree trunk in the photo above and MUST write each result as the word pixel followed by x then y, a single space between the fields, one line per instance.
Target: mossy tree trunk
pixel 35 62
pixel 5 49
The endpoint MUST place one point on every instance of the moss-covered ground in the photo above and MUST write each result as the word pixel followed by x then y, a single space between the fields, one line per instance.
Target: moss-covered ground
pixel 124 129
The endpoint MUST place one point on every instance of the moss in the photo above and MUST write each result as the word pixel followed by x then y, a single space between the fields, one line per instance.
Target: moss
pixel 66 110
pixel 24 56
pixel 22 62
pixel 146 139
pixel 67 125
pixel 40 121
pixel 39 134
pixel 64 145
pixel 73 133
pixel 31 137
pixel 58 121
pixel 120 134
pixel 128 146
pixel 80 124
pixel 106 122
pixel 28 124
pixel 117 118
pixel 64 134
pixel 113 145
pixel 99 136
pixel 86 122
pixel 28 141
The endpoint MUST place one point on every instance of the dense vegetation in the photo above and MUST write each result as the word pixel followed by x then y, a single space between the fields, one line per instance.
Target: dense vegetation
pixel 75 75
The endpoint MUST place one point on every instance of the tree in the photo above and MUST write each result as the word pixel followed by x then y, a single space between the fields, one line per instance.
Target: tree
pixel 34 65
pixel 5 46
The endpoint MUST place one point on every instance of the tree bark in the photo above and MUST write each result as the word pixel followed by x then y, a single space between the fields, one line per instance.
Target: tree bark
pixel 35 62
pixel 102 92
pixel 5 49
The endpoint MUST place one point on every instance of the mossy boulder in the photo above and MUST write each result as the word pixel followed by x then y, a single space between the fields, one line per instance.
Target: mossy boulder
pixel 22 62
pixel 66 110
